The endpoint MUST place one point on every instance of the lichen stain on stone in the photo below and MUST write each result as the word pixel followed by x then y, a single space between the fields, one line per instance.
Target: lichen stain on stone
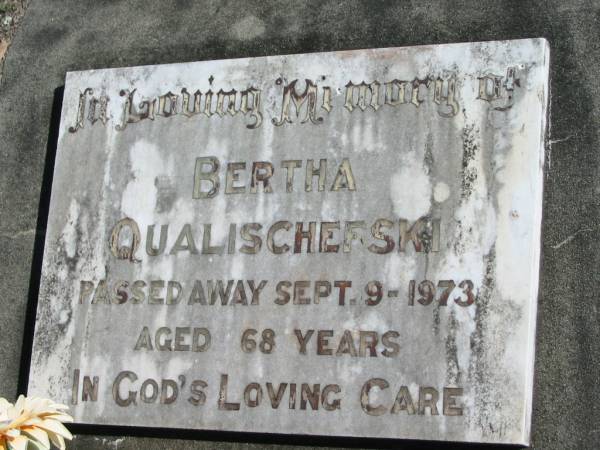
pixel 479 370
pixel 492 384
pixel 468 172
pixel 453 373
pixel 51 332
pixel 428 159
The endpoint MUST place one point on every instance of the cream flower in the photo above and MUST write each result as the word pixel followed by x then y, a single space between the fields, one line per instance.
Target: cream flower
pixel 34 421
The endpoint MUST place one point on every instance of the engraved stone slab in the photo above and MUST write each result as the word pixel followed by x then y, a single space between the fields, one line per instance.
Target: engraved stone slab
pixel 336 243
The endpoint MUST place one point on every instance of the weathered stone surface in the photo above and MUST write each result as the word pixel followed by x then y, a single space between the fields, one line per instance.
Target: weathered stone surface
pixel 74 35
pixel 335 244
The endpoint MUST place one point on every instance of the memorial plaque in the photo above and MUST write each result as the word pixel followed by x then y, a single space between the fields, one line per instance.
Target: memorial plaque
pixel 338 243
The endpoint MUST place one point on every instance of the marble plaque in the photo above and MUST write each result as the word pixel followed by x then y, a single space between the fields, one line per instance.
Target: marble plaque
pixel 341 243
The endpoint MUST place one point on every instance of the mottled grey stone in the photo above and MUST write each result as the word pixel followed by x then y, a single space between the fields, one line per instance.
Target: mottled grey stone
pixel 437 178
pixel 60 36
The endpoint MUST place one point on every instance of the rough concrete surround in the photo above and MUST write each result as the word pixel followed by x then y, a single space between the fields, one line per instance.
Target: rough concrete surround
pixel 60 36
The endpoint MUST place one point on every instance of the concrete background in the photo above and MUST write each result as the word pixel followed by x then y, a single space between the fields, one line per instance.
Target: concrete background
pixel 64 35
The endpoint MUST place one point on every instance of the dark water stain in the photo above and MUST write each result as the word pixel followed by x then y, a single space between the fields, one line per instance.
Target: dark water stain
pixel 166 194
pixel 478 373
pixel 452 368
pixel 428 155
pixel 488 347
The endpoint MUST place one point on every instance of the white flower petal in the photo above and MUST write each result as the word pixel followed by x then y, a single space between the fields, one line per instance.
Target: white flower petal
pixel 4 405
pixel 20 403
pixel 18 443
pixel 57 440
pixel 13 433
pixel 38 435
pixel 62 417
pixel 55 427
pixel 33 420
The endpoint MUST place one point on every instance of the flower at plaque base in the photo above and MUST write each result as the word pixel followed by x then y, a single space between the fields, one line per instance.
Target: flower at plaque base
pixel 33 423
